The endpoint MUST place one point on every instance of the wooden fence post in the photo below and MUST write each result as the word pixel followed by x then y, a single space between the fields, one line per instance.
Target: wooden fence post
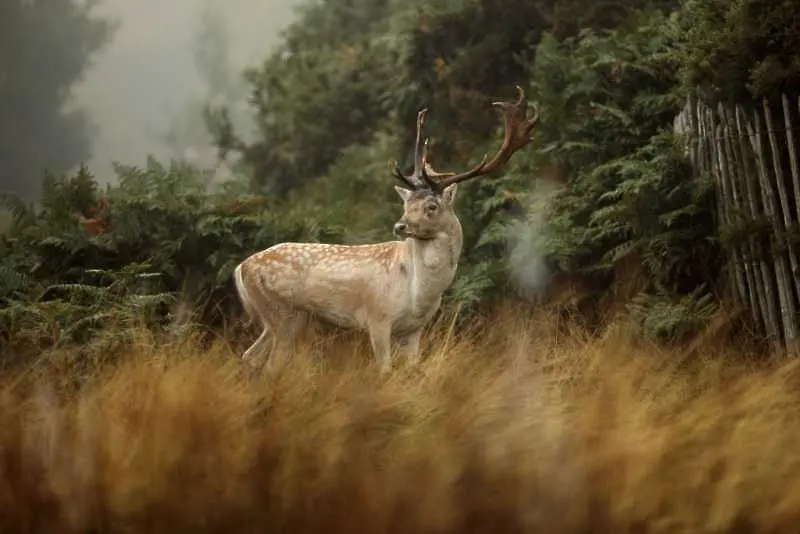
pixel 782 272
pixel 755 192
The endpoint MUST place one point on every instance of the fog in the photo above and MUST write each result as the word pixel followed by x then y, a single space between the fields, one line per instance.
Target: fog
pixel 526 265
pixel 145 77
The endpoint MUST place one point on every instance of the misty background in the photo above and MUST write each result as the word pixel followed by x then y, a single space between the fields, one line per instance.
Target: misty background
pixel 145 83
pixel 142 92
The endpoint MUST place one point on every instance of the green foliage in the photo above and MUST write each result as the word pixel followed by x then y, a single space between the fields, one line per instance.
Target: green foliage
pixel 325 88
pixel 609 100
pixel 355 194
pixel 169 239
pixel 328 88
pixel 665 318
pixel 567 18
pixel 740 50
pixel 76 312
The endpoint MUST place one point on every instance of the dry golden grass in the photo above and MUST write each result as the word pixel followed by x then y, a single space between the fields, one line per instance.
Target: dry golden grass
pixel 514 428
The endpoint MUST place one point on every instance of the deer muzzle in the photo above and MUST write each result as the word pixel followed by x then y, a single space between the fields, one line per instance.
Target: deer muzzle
pixel 400 229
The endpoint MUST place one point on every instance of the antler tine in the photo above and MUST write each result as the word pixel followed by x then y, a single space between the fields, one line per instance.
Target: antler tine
pixel 435 174
pixel 420 145
pixel 518 130
pixel 418 179
pixel 399 175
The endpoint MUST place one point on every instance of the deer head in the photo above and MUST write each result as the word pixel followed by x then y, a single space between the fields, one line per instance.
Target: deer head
pixel 425 213
pixel 429 199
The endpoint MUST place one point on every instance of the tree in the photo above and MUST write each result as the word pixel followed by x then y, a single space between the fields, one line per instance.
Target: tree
pixel 324 88
pixel 45 48
pixel 738 51
pixel 327 87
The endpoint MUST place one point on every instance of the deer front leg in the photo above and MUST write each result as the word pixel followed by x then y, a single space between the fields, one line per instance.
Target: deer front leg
pixel 380 336
pixel 409 347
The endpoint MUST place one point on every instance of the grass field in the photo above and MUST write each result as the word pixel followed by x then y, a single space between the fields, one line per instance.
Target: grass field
pixel 519 426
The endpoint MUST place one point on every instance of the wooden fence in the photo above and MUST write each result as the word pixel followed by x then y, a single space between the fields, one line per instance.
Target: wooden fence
pixel 752 157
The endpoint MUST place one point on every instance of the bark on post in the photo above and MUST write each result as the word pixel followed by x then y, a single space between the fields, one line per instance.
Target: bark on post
pixel 714 131
pixel 785 203
pixel 787 121
pixel 709 131
pixel 782 272
pixel 743 250
pixel 765 282
pixel 727 201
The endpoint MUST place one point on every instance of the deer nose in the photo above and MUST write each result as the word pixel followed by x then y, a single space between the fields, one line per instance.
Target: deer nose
pixel 400 228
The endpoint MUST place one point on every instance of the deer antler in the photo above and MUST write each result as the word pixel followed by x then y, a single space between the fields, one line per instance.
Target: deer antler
pixel 518 129
pixel 418 179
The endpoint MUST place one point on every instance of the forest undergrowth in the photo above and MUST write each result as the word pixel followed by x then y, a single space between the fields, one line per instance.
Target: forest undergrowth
pixel 521 424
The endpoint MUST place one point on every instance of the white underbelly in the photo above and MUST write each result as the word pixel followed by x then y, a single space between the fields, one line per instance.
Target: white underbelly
pixel 335 318
pixel 411 320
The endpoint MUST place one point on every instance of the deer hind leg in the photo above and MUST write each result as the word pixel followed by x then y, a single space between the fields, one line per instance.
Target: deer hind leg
pixel 253 306
pixel 291 324
pixel 264 347
pixel 277 340
pixel 261 348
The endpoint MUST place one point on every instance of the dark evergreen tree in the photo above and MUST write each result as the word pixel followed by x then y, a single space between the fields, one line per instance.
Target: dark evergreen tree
pixel 45 48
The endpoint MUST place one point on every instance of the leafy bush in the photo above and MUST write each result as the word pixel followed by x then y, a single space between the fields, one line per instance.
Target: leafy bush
pixel 609 100
pixel 739 50
pixel 663 317
pixel 167 238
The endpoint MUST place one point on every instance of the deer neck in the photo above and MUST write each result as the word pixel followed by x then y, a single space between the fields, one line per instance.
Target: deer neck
pixel 432 265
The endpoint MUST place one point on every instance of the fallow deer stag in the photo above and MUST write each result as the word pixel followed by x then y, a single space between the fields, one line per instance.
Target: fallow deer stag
pixel 391 290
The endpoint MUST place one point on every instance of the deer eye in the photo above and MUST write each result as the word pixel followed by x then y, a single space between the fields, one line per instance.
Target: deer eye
pixel 431 208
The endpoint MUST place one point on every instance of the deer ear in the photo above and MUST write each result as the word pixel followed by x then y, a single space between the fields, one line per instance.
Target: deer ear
pixel 404 193
pixel 449 194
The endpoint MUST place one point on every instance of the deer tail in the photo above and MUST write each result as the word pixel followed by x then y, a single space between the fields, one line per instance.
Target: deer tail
pixel 244 294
